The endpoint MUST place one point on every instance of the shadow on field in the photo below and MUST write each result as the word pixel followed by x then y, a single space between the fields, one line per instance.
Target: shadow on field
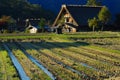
pixel 65 44
pixel 49 45
pixel 52 45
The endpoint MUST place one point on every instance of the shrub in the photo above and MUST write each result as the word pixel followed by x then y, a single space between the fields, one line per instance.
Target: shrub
pixel 5 31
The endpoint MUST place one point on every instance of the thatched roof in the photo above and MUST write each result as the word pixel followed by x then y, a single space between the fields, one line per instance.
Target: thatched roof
pixel 79 13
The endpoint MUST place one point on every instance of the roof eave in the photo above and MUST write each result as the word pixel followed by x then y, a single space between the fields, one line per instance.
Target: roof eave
pixel 57 17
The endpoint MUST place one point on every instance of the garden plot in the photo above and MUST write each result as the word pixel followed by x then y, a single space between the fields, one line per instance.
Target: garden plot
pixel 85 63
pixel 109 58
pixel 31 69
pixel 7 69
pixel 57 69
pixel 103 56
pixel 110 43
pixel 69 56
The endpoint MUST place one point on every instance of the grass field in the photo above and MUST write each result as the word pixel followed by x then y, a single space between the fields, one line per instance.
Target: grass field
pixel 73 56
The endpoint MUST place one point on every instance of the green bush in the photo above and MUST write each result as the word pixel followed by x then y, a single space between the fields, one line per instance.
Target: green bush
pixel 27 31
pixel 5 31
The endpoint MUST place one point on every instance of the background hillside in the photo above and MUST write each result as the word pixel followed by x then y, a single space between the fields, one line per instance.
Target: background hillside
pixel 23 9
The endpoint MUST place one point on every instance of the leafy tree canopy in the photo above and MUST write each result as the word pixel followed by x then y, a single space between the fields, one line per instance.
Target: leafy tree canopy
pixel 104 15
pixel 5 21
pixel 93 23
pixel 42 24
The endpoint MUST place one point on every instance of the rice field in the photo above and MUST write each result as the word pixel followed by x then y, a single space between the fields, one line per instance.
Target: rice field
pixel 63 58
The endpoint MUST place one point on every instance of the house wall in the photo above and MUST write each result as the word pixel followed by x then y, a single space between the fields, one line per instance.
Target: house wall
pixel 73 30
pixel 68 18
pixel 33 30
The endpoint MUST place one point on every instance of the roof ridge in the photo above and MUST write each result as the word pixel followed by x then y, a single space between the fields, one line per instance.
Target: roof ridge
pixel 72 5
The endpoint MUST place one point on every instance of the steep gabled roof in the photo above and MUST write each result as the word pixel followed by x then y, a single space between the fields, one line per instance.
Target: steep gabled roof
pixel 60 13
pixel 80 13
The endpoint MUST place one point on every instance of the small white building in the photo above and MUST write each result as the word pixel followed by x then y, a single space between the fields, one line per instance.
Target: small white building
pixel 32 29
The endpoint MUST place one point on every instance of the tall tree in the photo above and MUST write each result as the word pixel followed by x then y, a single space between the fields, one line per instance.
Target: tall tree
pixel 93 23
pixel 93 3
pixel 104 16
pixel 42 24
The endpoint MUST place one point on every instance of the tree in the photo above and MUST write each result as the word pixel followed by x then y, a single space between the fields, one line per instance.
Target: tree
pixel 42 24
pixel 4 22
pixel 93 3
pixel 93 23
pixel 104 16
pixel 7 23
pixel 11 24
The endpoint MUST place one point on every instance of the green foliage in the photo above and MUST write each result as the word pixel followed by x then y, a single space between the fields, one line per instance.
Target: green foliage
pixel 11 21
pixel 78 35
pixel 27 30
pixel 42 24
pixel 93 3
pixel 61 21
pixel 7 70
pixel 93 23
pixel 5 31
pixel 23 9
pixel 5 18
pixel 104 16
pixel 7 23
pixel 32 70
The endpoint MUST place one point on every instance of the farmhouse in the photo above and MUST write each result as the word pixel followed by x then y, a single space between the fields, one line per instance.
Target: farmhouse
pixel 72 18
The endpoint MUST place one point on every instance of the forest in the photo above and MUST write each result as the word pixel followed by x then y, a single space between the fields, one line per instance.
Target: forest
pixel 23 9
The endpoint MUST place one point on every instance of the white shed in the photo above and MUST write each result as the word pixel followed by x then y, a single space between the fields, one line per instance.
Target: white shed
pixel 32 29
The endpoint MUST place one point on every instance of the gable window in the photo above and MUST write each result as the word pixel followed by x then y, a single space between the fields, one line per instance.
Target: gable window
pixel 66 19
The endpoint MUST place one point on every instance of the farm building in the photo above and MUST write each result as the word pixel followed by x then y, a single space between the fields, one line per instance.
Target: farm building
pixel 74 18
pixel 23 24
pixel 32 29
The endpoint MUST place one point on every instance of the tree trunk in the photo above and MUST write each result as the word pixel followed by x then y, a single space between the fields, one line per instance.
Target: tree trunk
pixel 42 29
pixel 93 28
pixel 102 28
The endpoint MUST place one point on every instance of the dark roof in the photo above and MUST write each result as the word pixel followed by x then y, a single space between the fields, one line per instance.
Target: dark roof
pixel 81 14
